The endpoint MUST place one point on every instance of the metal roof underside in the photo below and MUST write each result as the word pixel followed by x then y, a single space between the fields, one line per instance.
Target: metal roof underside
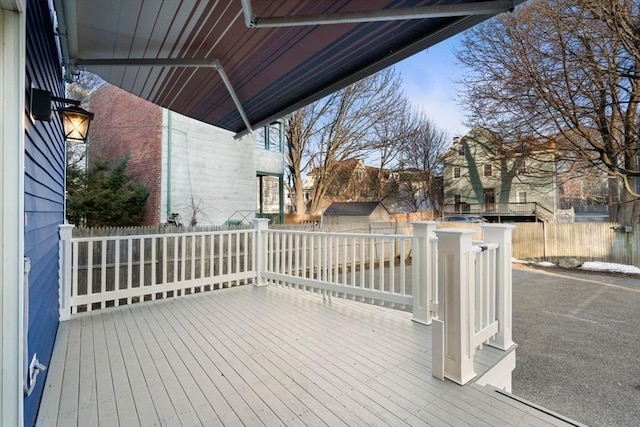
pixel 178 54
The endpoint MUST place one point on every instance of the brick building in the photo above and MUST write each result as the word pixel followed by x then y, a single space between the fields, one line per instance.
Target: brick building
pixel 191 168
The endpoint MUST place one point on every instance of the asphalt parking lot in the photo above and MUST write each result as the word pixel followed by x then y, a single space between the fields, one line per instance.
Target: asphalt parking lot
pixel 578 337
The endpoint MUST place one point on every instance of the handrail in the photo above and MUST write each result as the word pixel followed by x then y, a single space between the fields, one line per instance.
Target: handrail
pixel 506 208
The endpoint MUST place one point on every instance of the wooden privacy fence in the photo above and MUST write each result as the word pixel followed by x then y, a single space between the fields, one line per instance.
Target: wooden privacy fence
pixel 586 241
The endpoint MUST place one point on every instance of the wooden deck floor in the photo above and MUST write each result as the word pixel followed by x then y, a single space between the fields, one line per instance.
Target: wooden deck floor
pixel 259 356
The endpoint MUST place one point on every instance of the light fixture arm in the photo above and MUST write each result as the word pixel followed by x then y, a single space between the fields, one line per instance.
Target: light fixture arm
pixel 73 102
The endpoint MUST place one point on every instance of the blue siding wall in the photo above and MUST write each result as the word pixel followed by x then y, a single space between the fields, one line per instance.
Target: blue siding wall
pixel 44 195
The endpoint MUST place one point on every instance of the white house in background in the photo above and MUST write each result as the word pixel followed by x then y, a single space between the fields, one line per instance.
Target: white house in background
pixel 199 171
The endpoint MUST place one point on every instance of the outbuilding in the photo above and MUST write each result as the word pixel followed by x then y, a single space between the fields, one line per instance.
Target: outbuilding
pixel 343 213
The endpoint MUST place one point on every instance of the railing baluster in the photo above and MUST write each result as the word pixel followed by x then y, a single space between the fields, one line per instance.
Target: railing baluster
pixel 141 265
pixel 129 266
pixel 103 270
pixel 298 254
pixel 392 266
pixel 381 261
pixel 403 267
pixel 176 267
pixel 318 261
pixel 229 257
pixel 89 271
pixel 329 259
pixel 353 262
pixel 154 257
pixel 203 244
pixel 245 265
pixel 372 265
pixel 74 279
pixel 116 270
pixel 221 263
pixel 311 257
pixel 192 260
pixel 362 263
pixel 165 258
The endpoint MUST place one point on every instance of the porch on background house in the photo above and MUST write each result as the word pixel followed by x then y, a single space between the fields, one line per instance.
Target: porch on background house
pixel 330 341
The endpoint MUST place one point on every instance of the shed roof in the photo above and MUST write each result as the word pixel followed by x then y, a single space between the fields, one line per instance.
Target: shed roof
pixel 352 208
pixel 216 61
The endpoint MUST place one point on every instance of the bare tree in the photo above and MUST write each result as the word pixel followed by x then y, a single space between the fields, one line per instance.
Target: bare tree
pixel 565 72
pixel 341 126
pixel 389 137
pixel 421 160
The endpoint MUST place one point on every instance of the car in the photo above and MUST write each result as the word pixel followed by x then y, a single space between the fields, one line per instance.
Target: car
pixel 464 218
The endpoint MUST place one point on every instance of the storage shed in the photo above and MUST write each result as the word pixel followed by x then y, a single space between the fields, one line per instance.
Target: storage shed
pixel 343 213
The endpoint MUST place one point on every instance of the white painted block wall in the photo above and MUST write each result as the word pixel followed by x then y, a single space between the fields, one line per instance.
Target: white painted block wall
pixel 211 172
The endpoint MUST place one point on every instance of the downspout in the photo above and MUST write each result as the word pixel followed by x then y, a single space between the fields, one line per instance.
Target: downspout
pixel 169 138
pixel 281 197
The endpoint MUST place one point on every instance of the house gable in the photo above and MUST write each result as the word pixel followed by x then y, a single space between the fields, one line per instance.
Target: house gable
pixel 479 168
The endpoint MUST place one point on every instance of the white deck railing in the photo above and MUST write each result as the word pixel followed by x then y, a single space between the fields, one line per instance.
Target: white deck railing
pixel 116 270
pixel 475 308
pixel 375 268
pixel 370 266
pixel 461 287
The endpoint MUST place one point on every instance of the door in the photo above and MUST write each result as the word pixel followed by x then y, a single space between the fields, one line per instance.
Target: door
pixel 489 199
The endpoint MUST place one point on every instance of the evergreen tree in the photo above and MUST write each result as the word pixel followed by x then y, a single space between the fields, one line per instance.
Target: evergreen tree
pixel 105 196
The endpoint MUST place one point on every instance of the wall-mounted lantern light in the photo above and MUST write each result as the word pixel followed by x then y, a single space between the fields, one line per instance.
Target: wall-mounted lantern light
pixel 75 120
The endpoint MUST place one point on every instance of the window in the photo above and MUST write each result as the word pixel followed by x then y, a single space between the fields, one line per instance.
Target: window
pixel 521 197
pixel 456 172
pixel 456 199
pixel 487 169
pixel 521 167
pixel 460 148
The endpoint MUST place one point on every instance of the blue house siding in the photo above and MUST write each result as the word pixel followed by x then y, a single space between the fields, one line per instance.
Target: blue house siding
pixel 44 195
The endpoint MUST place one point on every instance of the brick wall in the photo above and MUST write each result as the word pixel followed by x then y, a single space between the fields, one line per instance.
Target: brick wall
pixel 125 124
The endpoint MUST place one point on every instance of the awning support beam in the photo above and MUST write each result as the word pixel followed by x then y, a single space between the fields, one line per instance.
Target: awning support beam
pixel 175 62
pixel 425 12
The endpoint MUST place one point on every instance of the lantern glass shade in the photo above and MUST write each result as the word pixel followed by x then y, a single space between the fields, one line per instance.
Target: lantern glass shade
pixel 75 122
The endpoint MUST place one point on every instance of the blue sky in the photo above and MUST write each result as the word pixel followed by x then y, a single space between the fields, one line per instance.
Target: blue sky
pixel 428 79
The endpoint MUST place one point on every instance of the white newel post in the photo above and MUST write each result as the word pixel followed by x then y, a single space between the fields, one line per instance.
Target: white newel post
pixel 502 234
pixel 454 284
pixel 260 225
pixel 422 270
pixel 64 272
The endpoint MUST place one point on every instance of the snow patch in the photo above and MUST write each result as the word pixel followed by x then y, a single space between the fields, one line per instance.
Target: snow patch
pixel 546 264
pixel 610 266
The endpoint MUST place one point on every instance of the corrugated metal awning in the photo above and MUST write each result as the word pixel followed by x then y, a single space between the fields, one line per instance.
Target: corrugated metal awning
pixel 241 63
